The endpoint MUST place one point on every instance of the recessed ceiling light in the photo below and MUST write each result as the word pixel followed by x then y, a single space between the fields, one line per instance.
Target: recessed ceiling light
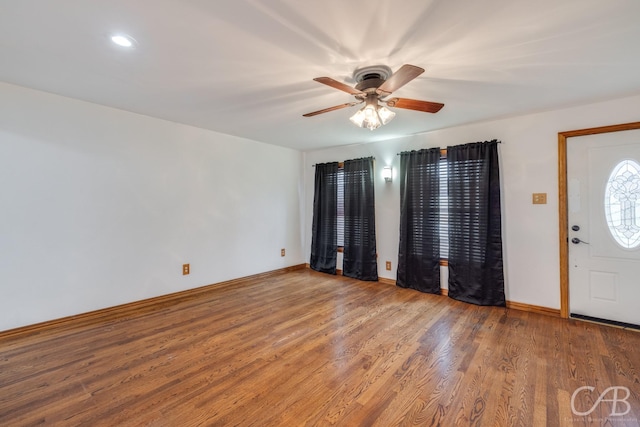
pixel 123 40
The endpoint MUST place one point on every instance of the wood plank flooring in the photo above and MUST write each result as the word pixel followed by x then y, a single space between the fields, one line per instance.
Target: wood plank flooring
pixel 305 348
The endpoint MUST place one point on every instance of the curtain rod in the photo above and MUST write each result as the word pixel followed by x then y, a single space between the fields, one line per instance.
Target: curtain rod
pixel 444 149
pixel 342 162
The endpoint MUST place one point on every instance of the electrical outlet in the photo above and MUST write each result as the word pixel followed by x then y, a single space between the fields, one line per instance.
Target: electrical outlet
pixel 185 269
pixel 282 252
pixel 388 265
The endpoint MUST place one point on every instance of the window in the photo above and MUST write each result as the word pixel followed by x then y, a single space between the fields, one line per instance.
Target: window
pixel 621 204
pixel 444 212
pixel 340 206
pixel 344 218
pixel 444 230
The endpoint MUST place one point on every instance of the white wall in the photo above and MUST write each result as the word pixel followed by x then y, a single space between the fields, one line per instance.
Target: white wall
pixel 101 207
pixel 529 164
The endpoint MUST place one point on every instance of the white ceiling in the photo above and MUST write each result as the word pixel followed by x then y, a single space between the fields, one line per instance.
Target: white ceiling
pixel 245 67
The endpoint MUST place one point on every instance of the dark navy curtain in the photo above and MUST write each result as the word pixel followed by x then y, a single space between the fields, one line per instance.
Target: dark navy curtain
pixel 419 250
pixel 324 235
pixel 359 256
pixel 475 232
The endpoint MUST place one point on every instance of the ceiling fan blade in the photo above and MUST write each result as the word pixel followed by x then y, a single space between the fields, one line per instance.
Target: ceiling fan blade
pixel 336 107
pixel 337 85
pixel 414 104
pixel 404 75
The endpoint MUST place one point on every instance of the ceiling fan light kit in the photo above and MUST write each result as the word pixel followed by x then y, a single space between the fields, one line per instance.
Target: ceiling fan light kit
pixel 374 85
pixel 372 115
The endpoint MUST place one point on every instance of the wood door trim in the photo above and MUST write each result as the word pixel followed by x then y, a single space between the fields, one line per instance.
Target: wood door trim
pixel 563 216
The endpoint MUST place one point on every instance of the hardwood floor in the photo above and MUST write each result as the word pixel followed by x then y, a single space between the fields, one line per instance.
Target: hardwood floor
pixel 304 348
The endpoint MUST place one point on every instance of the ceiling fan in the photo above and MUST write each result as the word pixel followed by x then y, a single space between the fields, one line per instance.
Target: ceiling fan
pixel 374 84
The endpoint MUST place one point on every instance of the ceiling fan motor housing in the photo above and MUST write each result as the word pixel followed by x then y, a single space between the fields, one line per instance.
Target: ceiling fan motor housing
pixel 370 78
pixel 370 84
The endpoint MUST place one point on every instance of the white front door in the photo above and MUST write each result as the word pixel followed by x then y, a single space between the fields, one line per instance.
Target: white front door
pixel 603 183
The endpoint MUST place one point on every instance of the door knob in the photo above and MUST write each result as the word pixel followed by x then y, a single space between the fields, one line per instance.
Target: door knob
pixel 575 241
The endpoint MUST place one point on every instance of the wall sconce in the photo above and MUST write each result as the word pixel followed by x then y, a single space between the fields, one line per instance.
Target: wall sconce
pixel 387 173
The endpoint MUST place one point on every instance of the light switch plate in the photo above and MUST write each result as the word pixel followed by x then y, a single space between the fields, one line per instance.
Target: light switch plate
pixel 539 198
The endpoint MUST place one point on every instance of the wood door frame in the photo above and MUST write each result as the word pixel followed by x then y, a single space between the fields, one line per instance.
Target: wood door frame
pixel 563 202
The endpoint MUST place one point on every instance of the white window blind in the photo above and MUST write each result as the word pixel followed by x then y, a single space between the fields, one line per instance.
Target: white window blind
pixel 444 214
pixel 340 207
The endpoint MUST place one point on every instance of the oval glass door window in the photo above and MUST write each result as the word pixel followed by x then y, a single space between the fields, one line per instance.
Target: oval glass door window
pixel 622 204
